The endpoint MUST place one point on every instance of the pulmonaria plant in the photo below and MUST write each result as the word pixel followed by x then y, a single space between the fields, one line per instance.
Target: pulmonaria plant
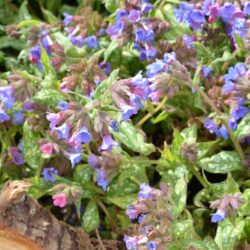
pixel 153 214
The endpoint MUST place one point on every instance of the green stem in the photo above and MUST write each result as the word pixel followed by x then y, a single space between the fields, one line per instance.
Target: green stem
pixel 197 175
pixel 149 115
pixel 153 162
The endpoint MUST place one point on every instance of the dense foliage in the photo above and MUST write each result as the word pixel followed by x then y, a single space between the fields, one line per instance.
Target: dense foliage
pixel 131 118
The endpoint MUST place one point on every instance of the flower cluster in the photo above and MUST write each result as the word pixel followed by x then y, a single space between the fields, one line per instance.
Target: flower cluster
pixel 152 212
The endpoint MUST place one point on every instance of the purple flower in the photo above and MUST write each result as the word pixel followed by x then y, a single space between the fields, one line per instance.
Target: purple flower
pixel 120 14
pixel 152 245
pixel 227 12
pixel 67 19
pixel 134 16
pixel 106 67
pixel 240 26
pixel 206 5
pixel 210 125
pixel 74 158
pixel 131 242
pixel 222 132
pixel 28 106
pixel 54 119
pixel 46 41
pixel 139 35
pixel 116 30
pixel 3 116
pixel 114 125
pixel 146 7
pixel 93 161
pixel 155 68
pixel 188 41
pixel 239 70
pixel 63 105
pixel 145 191
pixel 206 71
pixel 147 53
pixel 220 215
pixel 136 101
pixel 6 96
pixel 16 157
pixel 35 54
pixel 196 19
pixel 76 40
pixel 102 179
pixel 239 112
pixel 108 143
pixel 91 42
pixel 183 11
pixel 132 213
pixel 247 8
pixel 83 136
pixel 168 57
pixel 128 111
pixel 63 131
pixel 18 117
pixel 48 174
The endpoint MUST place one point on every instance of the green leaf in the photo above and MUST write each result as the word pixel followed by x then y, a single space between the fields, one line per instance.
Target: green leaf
pixel 111 5
pixel 161 117
pixel 23 13
pixel 47 65
pixel 48 97
pixel 111 48
pixel 190 134
pixel 228 234
pixel 205 147
pixel 14 43
pixel 104 86
pixel 31 151
pixel 83 173
pixel 121 188
pixel 243 128
pixel 122 201
pixel 28 23
pixel 180 195
pixel 222 162
pixel 131 137
pixel 90 219
pixel 49 17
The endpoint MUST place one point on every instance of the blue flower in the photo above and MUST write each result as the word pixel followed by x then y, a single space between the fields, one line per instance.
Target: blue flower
pixel 155 68
pixel 131 242
pixel 16 157
pixel 63 105
pixel 134 16
pixel 106 67
pixel 120 14
pixel 76 40
pixel 220 215
pixel 188 41
pixel 67 19
pixel 168 57
pixel 6 96
pixel 3 116
pixel 227 12
pixel 18 117
pixel 247 8
pixel 48 174
pixel 206 71
pixel 145 191
pixel 93 161
pixel 63 131
pixel 74 158
pixel 139 35
pixel 239 112
pixel 46 41
pixel 136 101
pixel 114 125
pixel 128 111
pixel 102 179
pixel 183 11
pixel 210 125
pixel 152 245
pixel 222 132
pixel 108 143
pixel 146 7
pixel 116 30
pixel 91 41
pixel 195 19
pixel 132 213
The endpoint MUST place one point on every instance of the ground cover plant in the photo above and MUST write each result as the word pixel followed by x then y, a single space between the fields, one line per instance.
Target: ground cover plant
pixel 130 119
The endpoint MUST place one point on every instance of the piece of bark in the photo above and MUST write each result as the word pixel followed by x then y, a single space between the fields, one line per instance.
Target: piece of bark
pixel 24 223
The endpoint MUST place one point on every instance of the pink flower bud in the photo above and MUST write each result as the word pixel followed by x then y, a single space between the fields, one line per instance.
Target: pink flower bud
pixel 47 148
pixel 59 200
